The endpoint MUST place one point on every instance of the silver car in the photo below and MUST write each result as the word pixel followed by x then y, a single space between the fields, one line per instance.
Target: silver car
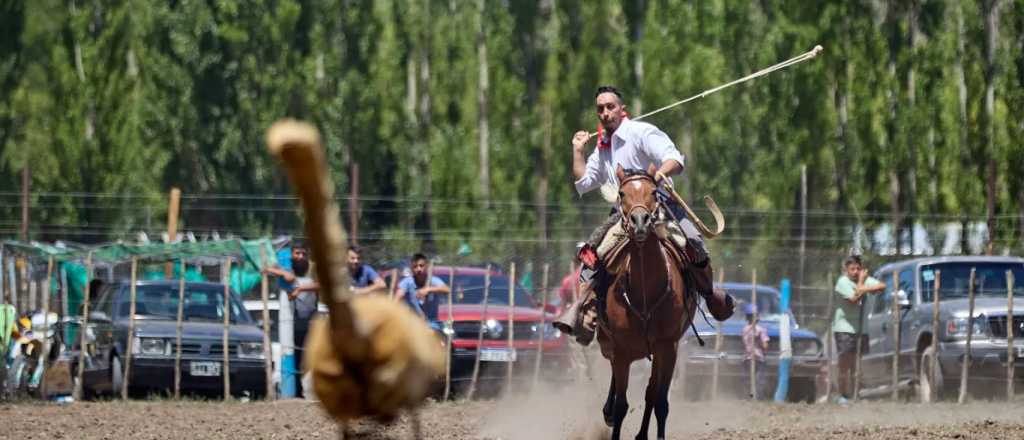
pixel 914 292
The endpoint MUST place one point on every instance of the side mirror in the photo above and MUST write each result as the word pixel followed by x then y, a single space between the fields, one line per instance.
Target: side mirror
pixel 98 317
pixel 902 299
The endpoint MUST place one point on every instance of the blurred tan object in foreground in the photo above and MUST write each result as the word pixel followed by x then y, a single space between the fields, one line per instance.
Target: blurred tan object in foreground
pixel 372 356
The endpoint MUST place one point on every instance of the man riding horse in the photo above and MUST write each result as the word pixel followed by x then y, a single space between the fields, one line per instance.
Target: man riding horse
pixel 631 145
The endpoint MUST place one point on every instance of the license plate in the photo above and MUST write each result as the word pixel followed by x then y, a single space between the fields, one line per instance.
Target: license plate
pixel 497 355
pixel 204 369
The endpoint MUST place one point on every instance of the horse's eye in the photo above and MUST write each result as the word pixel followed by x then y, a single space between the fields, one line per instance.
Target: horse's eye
pixel 622 195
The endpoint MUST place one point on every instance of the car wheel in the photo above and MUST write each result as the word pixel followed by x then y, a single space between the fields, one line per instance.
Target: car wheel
pixel 116 376
pixel 929 385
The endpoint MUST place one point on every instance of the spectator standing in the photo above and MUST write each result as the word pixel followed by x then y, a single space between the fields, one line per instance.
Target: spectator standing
pixel 363 278
pixel 846 323
pixel 755 343
pixel 419 293
pixel 298 283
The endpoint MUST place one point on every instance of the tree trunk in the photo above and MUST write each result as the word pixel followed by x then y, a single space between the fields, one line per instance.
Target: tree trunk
pixel 483 86
pixel 636 11
pixel 913 135
pixel 892 135
pixel 991 12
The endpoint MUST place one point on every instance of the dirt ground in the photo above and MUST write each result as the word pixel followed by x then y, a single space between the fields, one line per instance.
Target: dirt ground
pixel 574 414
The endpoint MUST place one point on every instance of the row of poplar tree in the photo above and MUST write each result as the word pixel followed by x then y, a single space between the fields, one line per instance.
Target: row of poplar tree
pixel 458 113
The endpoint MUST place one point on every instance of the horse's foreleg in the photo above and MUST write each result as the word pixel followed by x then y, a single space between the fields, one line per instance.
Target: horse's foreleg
pixel 666 353
pixel 620 376
pixel 608 404
pixel 650 398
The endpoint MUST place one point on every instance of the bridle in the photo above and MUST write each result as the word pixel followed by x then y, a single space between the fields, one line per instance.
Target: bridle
pixel 627 217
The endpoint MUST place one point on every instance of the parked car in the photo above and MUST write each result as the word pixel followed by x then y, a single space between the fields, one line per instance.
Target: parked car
pixel 915 294
pixel 468 319
pixel 808 355
pixel 154 348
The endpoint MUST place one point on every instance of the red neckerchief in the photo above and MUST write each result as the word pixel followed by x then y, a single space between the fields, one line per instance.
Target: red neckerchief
pixel 606 141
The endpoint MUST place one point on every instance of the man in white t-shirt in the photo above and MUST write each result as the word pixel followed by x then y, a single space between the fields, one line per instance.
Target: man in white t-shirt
pixel 637 146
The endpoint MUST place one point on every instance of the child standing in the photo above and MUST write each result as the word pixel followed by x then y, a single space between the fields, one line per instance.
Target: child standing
pixel 755 343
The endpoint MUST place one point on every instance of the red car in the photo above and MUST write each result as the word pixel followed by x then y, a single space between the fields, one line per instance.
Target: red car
pixel 531 328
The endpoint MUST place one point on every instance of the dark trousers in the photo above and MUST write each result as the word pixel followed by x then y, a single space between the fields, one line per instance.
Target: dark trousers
pixel 301 329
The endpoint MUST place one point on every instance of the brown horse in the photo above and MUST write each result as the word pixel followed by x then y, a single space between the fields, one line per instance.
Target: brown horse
pixel 647 307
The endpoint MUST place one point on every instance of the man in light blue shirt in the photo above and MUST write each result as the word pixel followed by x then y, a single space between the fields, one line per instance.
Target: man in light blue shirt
pixel 421 295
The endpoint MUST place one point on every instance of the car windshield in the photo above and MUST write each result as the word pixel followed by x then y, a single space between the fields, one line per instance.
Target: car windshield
pixel 469 289
pixel 989 279
pixel 767 303
pixel 200 304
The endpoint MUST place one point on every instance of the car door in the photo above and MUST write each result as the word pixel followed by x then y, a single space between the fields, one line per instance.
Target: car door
pixel 97 374
pixel 909 323
pixel 876 358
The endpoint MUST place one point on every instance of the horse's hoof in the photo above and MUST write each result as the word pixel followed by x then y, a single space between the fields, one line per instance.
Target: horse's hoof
pixel 609 421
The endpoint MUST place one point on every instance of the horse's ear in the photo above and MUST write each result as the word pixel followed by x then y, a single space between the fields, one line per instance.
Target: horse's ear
pixel 651 169
pixel 620 173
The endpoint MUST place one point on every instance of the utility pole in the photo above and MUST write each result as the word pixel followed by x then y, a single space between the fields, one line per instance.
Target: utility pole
pixel 172 226
pixel 26 180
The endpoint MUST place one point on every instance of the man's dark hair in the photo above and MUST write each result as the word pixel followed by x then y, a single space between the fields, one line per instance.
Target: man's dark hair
pixel 852 259
pixel 355 248
pixel 417 257
pixel 299 244
pixel 609 89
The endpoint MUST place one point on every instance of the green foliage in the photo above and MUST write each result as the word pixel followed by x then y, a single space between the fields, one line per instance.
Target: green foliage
pixel 136 97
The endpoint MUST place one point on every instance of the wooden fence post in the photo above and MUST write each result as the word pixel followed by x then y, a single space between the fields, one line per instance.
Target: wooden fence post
pixel 716 361
pixel 391 289
pixel 46 316
pixel 480 335
pixel 450 335
pixel 226 371
pixel 543 326
pixel 511 326
pixel 130 344
pixel 935 331
pixel 268 353
pixel 1010 349
pixel 178 329
pixel 965 366
pixel 753 301
pixel 77 394
pixel 829 338
pixel 860 349
pixel 896 314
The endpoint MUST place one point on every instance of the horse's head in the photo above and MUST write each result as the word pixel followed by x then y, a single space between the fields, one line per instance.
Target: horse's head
pixel 638 202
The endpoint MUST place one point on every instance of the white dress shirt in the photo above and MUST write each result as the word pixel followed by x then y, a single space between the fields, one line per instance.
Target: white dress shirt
pixel 635 145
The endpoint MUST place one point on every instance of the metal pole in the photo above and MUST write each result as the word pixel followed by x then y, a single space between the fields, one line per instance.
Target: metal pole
pixel 1010 328
pixel 803 234
pixel 178 330
pixel 33 292
pixel 935 331
pixel 26 182
pixel 966 364
pixel 753 300
pixel 543 326
pixel 82 346
pixel 267 352
pixel 225 372
pixel 480 335
pixel 895 335
pixel 131 332
pixel 449 337
pixel 511 326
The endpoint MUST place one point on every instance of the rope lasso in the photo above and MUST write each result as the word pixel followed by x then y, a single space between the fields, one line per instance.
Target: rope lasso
pixel 795 60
